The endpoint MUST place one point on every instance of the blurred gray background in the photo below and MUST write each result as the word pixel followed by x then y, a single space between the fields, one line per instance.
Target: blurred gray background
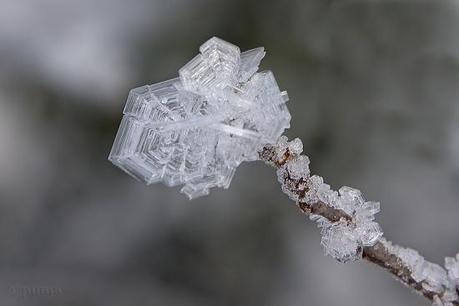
pixel 374 95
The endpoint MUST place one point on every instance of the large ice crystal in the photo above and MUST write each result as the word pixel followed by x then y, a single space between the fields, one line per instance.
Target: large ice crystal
pixel 196 129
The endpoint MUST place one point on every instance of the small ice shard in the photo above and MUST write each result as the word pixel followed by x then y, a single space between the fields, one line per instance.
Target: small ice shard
pixel 250 60
pixel 196 129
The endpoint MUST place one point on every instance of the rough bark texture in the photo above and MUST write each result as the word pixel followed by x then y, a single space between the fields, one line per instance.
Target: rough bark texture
pixel 378 254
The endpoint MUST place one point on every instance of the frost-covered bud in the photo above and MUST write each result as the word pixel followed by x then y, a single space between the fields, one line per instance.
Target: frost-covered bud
pixel 298 168
pixel 340 242
pixel 295 146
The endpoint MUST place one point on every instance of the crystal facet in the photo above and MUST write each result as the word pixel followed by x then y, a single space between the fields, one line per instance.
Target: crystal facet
pixel 196 129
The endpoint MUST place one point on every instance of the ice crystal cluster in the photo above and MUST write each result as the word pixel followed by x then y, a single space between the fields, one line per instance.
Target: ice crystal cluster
pixel 196 129
pixel 344 240
pixel 432 277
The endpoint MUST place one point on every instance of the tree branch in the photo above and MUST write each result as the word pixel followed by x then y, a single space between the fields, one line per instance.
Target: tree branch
pixel 434 283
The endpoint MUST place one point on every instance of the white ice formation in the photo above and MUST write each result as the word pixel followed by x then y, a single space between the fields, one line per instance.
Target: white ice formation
pixel 344 240
pixel 432 277
pixel 196 129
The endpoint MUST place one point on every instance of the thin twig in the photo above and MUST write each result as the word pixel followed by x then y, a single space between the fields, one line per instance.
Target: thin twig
pixel 380 254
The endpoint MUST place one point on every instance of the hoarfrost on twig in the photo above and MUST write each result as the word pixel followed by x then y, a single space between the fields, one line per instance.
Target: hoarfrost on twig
pixel 345 239
pixel 349 231
pixel 196 129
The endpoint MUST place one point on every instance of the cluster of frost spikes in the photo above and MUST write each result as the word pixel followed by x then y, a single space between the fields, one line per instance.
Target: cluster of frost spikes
pixel 196 129
pixel 344 240
pixel 432 277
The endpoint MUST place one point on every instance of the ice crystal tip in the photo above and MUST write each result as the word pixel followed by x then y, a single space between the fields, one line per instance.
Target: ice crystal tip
pixel 196 129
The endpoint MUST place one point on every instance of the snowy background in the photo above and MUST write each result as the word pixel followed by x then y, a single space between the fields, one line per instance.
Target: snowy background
pixel 374 95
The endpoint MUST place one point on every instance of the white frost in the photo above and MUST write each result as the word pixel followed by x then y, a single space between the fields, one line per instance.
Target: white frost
pixel 196 129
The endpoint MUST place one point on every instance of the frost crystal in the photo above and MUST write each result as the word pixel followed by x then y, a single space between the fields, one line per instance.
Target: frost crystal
pixel 350 199
pixel 368 233
pixel 313 185
pixel 196 129
pixel 340 242
pixel 452 265
pixel 295 146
